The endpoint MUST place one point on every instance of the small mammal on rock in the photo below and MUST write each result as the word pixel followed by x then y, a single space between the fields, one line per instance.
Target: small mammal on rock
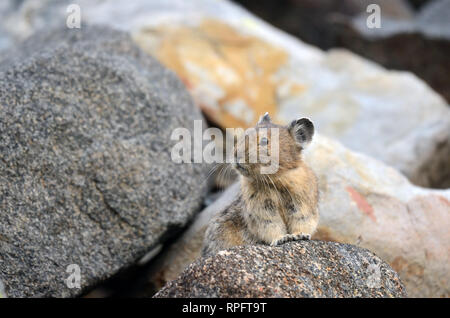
pixel 270 208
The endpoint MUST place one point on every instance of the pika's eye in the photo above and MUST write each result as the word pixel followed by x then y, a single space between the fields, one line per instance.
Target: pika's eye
pixel 264 141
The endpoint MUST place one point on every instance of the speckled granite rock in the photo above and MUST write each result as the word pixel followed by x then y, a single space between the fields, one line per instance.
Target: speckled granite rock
pixel 86 175
pixel 300 269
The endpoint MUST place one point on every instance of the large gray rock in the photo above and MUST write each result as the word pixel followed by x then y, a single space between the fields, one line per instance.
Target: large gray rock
pixel 86 175
pixel 300 269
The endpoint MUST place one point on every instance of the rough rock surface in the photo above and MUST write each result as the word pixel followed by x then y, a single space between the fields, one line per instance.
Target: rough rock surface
pixel 86 175
pixel 300 269
pixel 369 204
pixel 362 202
pixel 241 67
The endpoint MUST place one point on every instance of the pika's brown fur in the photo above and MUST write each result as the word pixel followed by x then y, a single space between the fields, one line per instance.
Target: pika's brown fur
pixel 270 208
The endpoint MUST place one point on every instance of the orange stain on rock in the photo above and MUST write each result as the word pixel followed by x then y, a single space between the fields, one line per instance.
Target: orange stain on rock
pixel 230 74
pixel 362 203
pixel 400 264
pixel 444 200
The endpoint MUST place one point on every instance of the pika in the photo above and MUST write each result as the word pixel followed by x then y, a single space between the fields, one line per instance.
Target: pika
pixel 270 208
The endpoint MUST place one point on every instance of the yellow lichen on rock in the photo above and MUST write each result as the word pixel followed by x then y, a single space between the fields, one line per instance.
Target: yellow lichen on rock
pixel 215 60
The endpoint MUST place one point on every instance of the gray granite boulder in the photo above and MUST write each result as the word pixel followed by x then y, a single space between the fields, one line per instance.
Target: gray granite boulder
pixel 299 269
pixel 86 175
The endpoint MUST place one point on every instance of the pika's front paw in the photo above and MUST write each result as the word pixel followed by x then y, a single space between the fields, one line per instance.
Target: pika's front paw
pixel 291 238
pixel 301 236
pixel 282 240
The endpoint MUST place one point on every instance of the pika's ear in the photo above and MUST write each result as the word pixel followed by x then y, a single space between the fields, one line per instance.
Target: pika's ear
pixel 302 130
pixel 264 119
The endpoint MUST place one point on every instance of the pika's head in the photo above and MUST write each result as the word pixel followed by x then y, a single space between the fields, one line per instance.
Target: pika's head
pixel 272 149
